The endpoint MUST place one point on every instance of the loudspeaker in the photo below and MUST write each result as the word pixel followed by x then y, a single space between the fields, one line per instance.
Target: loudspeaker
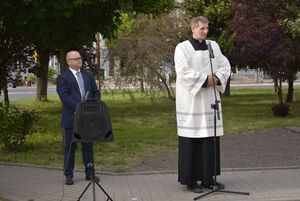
pixel 92 121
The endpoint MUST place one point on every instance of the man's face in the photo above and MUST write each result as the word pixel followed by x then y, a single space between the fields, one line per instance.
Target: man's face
pixel 200 30
pixel 74 60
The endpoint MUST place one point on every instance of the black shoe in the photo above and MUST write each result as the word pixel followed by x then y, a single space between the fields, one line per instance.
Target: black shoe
pixel 220 185
pixel 92 177
pixel 69 180
pixel 211 186
pixel 195 188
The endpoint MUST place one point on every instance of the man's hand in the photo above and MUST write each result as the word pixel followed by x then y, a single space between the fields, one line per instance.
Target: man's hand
pixel 211 80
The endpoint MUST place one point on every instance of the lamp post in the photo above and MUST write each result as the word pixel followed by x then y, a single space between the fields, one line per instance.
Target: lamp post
pixel 97 59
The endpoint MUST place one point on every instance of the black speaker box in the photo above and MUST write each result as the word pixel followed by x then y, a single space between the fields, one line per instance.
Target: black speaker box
pixel 92 121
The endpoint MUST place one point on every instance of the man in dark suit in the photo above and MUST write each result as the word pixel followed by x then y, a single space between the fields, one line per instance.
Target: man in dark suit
pixel 72 86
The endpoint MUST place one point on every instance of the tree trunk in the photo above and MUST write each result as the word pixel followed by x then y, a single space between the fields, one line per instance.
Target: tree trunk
pixel 227 89
pixel 3 86
pixel 290 93
pixel 142 87
pixel 111 62
pixel 62 60
pixel 275 80
pixel 6 98
pixel 164 81
pixel 279 91
pixel 42 75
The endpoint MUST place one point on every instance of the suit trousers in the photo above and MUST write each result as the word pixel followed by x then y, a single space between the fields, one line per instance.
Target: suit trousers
pixel 69 154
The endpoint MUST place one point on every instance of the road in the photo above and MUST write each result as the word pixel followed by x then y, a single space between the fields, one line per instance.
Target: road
pixel 260 85
pixel 26 92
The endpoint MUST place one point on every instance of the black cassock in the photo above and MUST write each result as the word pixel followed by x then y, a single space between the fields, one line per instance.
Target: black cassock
pixel 196 160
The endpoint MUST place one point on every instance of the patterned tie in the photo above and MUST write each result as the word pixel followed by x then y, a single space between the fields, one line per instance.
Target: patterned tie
pixel 81 84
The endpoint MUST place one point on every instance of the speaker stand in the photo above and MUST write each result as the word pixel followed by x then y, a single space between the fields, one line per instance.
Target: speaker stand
pixel 93 182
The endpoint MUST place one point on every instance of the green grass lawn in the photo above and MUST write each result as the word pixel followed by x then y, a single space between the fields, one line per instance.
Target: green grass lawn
pixel 144 126
pixel 250 110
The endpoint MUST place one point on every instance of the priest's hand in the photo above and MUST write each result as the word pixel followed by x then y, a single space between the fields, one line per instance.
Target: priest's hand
pixel 211 80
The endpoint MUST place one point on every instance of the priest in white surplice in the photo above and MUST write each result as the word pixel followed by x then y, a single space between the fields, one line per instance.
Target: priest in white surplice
pixel 194 97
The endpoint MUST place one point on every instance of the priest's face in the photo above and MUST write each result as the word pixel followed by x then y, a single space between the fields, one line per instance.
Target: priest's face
pixel 200 30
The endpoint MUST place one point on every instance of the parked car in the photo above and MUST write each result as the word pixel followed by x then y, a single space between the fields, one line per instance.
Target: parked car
pixel 14 83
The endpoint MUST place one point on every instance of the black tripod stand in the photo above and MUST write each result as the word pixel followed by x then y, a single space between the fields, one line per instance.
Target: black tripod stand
pixel 92 122
pixel 93 182
pixel 215 106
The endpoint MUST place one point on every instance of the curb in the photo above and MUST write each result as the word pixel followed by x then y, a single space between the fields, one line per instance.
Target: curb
pixel 152 172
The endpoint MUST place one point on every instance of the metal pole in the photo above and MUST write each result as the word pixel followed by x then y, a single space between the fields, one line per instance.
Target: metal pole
pixel 97 59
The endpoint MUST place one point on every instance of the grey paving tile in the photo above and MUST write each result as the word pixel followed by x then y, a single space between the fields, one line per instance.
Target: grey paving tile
pixel 21 183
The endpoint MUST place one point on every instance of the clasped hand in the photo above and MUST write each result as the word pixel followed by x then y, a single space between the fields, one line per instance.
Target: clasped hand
pixel 211 80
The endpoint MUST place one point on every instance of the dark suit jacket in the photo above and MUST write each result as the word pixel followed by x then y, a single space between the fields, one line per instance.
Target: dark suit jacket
pixel 69 94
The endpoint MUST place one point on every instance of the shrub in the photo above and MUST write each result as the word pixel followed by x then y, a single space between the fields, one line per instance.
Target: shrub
pixel 281 110
pixel 51 73
pixel 15 125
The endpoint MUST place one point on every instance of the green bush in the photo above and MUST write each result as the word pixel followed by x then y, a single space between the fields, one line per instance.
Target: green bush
pixel 51 73
pixel 15 125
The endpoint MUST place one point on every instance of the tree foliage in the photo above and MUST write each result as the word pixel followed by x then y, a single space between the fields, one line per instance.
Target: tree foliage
pixel 14 58
pixel 218 13
pixel 58 23
pixel 146 51
pixel 153 7
pixel 262 37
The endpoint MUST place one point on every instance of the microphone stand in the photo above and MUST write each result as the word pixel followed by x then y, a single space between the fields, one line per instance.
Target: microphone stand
pixel 215 106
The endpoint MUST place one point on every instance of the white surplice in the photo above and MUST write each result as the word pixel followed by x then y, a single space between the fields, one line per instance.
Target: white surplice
pixel 195 117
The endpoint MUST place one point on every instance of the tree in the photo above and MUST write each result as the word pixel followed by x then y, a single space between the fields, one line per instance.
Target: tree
pixel 146 50
pixel 153 7
pixel 58 25
pixel 63 24
pixel 261 37
pixel 218 13
pixel 14 58
pixel 293 26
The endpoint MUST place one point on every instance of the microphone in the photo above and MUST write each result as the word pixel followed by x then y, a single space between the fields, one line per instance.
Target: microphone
pixel 210 50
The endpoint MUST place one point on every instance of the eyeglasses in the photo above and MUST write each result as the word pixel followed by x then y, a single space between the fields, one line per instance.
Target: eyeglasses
pixel 76 59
